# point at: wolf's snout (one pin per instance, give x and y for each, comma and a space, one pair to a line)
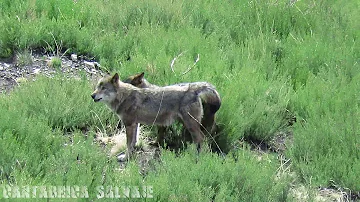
93, 96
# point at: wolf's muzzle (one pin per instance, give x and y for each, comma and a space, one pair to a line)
93, 96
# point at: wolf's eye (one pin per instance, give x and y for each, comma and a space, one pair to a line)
102, 88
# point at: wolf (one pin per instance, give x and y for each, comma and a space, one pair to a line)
210, 106
153, 106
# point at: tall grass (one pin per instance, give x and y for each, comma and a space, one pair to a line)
37, 151
243, 179
71, 106
326, 141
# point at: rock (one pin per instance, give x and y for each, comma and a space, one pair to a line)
36, 71
121, 157
88, 64
1, 68
97, 65
93, 71
92, 65
74, 57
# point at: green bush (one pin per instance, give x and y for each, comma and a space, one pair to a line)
179, 178
326, 142
257, 109
64, 103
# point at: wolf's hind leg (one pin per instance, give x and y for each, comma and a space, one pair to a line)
208, 119
193, 126
208, 123
161, 135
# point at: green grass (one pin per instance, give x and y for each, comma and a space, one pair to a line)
55, 62
230, 180
326, 141
268, 59
62, 103
24, 58
40, 146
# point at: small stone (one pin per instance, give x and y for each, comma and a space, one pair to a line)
89, 64
93, 71
92, 65
1, 68
121, 157
74, 57
36, 71
97, 64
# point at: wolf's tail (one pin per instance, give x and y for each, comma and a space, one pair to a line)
208, 95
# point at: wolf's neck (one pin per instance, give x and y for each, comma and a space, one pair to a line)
114, 105
147, 84
121, 94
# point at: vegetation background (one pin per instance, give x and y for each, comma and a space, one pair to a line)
270, 60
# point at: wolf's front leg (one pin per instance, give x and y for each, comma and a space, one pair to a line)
131, 131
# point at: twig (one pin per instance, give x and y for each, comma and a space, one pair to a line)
190, 67
157, 114
173, 61
283, 162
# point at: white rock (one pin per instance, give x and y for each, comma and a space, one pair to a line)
74, 57
89, 64
36, 71
97, 64
93, 71
92, 65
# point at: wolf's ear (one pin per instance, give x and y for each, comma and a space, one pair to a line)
115, 78
141, 76
138, 79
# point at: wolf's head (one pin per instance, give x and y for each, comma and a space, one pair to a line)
105, 90
139, 81
136, 80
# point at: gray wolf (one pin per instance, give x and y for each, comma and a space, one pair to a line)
153, 106
210, 106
